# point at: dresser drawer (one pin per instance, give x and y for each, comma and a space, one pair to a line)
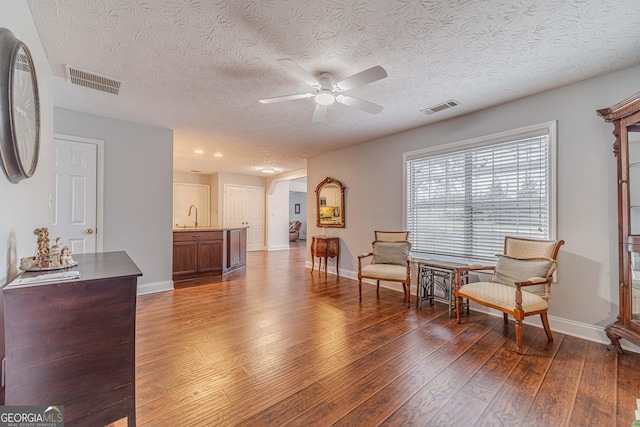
320, 247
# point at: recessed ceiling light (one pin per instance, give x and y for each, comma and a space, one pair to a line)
218, 154
199, 152
268, 170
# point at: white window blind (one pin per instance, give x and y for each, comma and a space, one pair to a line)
463, 203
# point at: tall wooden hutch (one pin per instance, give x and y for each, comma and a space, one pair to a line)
625, 117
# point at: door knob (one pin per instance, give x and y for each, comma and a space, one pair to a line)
89, 231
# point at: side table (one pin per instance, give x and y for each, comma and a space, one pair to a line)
325, 247
437, 280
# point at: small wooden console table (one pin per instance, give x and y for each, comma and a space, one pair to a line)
325, 247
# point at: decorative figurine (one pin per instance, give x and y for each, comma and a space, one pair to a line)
55, 259
65, 257
45, 257
42, 249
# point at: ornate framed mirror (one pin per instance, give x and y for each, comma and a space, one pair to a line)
330, 203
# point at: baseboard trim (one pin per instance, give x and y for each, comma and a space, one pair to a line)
558, 324
152, 288
567, 327
279, 248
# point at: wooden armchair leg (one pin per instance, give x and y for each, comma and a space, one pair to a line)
545, 323
360, 288
407, 297
377, 287
505, 316
458, 301
519, 336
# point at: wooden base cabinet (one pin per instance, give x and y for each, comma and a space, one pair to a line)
208, 252
73, 343
236, 249
197, 253
185, 258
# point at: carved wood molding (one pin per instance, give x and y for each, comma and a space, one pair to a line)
621, 109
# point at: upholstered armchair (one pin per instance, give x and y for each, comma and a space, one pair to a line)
390, 261
294, 230
520, 285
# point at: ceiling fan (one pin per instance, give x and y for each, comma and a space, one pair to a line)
327, 92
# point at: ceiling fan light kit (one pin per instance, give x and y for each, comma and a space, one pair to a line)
325, 97
327, 92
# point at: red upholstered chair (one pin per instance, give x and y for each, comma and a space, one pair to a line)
294, 230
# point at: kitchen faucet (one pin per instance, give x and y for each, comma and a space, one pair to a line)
196, 208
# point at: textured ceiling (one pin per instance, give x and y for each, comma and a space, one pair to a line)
200, 66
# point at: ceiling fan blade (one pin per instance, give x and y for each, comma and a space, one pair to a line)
285, 98
297, 71
319, 113
362, 78
360, 104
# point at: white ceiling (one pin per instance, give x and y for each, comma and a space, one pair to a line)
200, 66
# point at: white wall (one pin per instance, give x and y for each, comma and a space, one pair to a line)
25, 205
191, 178
278, 217
138, 190
296, 197
586, 292
215, 207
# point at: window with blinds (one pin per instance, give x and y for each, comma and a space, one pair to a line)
461, 201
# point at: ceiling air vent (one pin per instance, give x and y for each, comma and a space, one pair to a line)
437, 108
93, 80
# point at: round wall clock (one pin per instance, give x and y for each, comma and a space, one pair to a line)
19, 109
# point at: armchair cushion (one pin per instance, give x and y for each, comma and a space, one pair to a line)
501, 296
385, 272
510, 270
391, 252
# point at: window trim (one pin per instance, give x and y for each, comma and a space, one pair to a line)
550, 128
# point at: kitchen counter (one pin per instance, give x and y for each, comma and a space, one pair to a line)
206, 228
207, 251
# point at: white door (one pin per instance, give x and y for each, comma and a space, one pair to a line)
254, 217
244, 206
194, 199
74, 195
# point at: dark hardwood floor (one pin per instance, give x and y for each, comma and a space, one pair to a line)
276, 345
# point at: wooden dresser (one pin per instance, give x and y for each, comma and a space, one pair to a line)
325, 247
73, 343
